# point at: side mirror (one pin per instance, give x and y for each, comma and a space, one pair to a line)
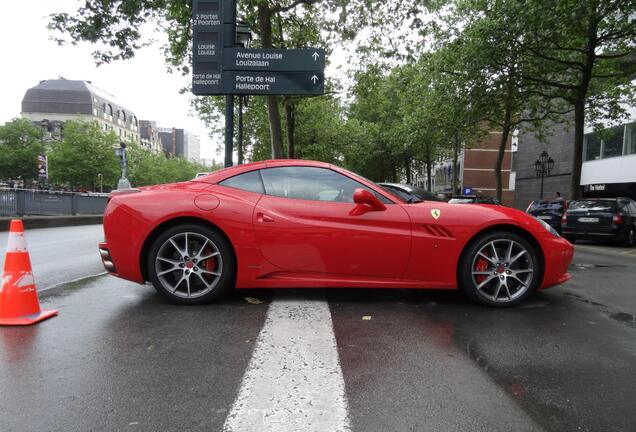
363, 196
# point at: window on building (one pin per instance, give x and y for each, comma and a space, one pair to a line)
592, 147
613, 142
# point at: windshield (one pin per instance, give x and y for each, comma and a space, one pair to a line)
392, 193
593, 205
543, 205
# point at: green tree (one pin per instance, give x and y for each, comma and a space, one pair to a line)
284, 23
84, 152
20, 146
587, 49
148, 168
482, 54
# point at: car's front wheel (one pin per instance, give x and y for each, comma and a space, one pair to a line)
499, 269
191, 264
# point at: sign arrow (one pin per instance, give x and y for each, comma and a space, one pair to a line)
315, 55
314, 79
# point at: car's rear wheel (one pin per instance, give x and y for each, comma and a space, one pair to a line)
499, 269
191, 264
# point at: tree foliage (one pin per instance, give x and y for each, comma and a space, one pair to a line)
84, 152
20, 146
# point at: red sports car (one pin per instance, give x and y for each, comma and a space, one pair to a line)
293, 223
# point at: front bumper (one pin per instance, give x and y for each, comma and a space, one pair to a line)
558, 254
608, 232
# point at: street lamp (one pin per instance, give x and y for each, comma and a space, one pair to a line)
542, 167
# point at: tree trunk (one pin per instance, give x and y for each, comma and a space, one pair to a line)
579, 125
290, 119
407, 168
579, 107
273, 113
454, 180
429, 180
501, 151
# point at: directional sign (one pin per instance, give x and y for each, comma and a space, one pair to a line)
274, 83
207, 45
219, 68
287, 60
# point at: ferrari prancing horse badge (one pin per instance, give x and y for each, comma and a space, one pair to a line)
435, 213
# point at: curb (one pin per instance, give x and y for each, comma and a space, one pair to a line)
60, 288
31, 222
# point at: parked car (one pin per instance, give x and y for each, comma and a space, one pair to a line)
410, 194
600, 219
473, 199
549, 211
295, 224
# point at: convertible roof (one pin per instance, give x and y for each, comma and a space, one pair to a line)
218, 176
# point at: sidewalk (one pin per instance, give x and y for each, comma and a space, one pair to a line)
31, 222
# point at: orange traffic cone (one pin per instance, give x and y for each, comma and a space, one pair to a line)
19, 303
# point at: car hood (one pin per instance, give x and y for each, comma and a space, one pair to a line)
473, 216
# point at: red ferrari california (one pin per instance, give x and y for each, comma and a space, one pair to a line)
293, 223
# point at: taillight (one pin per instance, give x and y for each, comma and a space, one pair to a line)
564, 218
618, 219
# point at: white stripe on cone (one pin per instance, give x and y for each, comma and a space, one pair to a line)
17, 242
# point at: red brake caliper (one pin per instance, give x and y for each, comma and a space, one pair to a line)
482, 265
210, 263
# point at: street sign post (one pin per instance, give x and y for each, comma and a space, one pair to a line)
221, 68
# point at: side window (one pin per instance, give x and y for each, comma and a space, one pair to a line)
249, 181
632, 208
310, 183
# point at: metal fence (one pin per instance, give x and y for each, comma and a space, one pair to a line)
20, 202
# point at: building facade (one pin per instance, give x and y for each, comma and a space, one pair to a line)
475, 170
149, 135
56, 101
609, 162
608, 169
179, 142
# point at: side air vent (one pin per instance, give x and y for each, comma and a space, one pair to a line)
436, 231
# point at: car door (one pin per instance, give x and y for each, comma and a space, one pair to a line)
306, 223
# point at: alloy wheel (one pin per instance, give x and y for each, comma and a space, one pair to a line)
502, 270
189, 265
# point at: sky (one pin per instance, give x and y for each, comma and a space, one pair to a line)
142, 84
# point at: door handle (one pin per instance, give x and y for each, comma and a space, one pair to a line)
261, 217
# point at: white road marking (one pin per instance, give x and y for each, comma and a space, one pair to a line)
294, 381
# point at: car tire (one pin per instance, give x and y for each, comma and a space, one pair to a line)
499, 269
629, 239
198, 274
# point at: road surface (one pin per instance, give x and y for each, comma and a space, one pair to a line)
61, 254
118, 357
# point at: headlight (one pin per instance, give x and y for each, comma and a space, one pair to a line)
548, 227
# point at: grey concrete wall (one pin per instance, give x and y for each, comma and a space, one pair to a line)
559, 144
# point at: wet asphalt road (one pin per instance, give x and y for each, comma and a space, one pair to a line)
120, 358
61, 254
